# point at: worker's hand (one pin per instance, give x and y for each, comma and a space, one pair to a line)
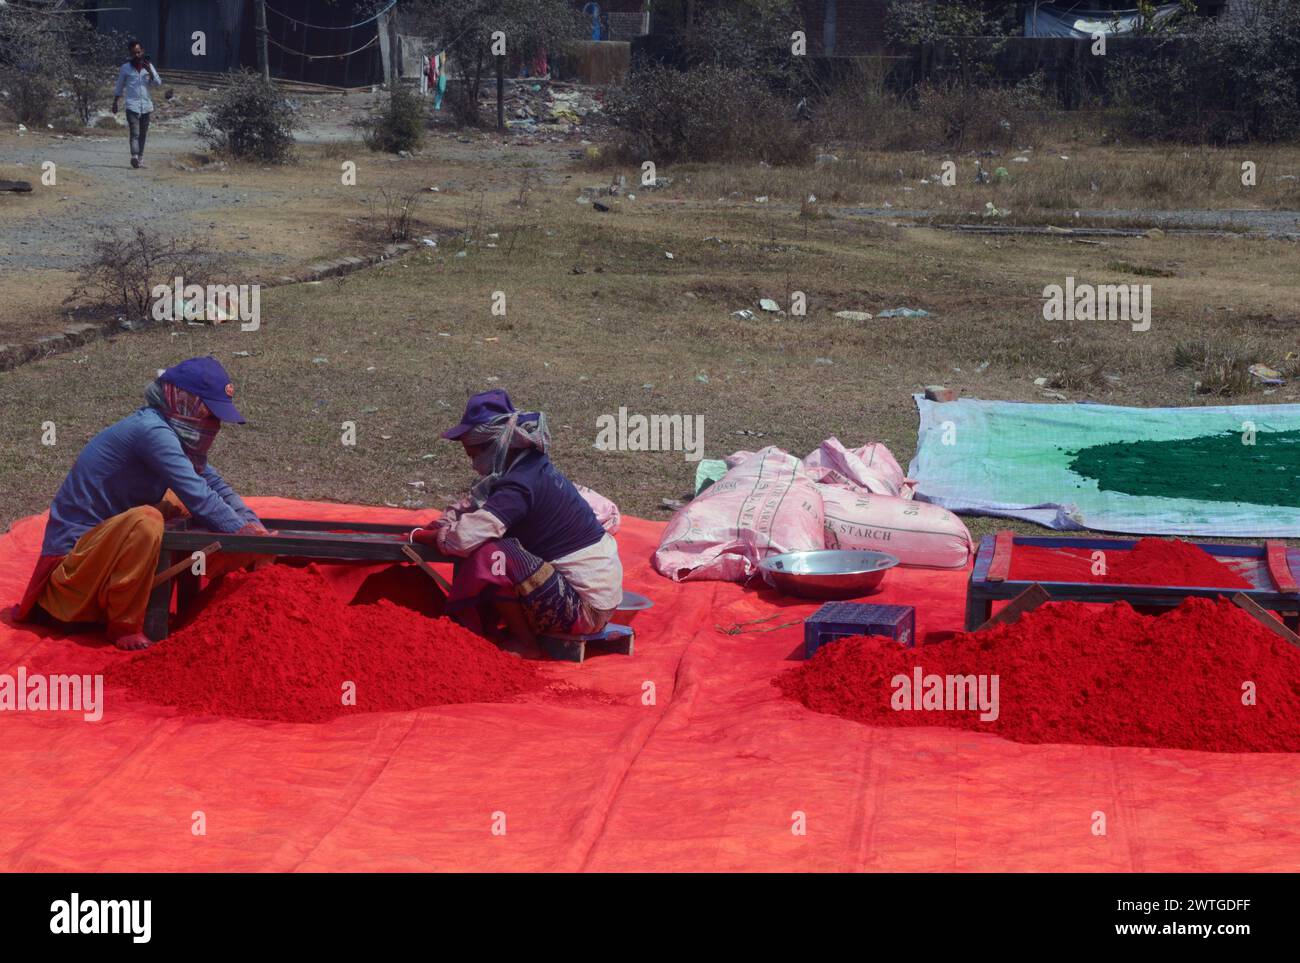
424, 536
115, 105
453, 513
253, 528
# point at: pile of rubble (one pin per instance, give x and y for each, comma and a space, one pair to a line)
544, 108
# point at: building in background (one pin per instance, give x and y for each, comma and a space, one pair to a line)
336, 43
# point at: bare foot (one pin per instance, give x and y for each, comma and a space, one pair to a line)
133, 642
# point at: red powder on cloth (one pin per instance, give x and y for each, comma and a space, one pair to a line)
279, 643
1152, 561
1081, 673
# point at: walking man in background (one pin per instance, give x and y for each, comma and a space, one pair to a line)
134, 79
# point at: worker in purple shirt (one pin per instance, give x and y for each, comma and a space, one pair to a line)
525, 528
104, 534
134, 79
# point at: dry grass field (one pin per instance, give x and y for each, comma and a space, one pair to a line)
598, 316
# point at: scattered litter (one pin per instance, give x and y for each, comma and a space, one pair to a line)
603, 208
767, 304
668, 254
702, 378
428, 242
854, 315
745, 314
320, 360
761, 200
824, 361
1266, 375
905, 313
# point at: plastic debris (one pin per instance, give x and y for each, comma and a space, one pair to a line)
1266, 375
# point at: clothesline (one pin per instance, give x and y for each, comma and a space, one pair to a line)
318, 27
369, 43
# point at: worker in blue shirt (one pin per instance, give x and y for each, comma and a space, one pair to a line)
134, 79
104, 534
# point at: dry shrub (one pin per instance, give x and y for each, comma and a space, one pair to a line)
1192, 354
392, 215
861, 108
708, 113
124, 269
1225, 377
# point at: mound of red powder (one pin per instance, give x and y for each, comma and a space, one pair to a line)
279, 643
1091, 674
1152, 561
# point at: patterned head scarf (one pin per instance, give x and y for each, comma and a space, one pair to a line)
188, 416
506, 436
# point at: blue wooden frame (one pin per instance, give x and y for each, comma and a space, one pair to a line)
981, 593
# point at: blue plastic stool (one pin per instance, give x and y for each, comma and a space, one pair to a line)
613, 638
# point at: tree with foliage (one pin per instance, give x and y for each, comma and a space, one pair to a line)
465, 29
251, 120
753, 36
1226, 79
972, 32
45, 53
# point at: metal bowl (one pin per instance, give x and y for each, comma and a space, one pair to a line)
632, 603
828, 574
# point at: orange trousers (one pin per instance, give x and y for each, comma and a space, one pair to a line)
108, 575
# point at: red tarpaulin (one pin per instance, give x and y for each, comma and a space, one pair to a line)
711, 777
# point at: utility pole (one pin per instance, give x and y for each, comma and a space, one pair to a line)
263, 62
501, 93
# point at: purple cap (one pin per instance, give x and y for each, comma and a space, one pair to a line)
206, 379
479, 410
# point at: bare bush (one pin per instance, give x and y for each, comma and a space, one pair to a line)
705, 114
124, 270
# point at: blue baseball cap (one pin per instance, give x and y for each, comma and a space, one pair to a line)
479, 410
206, 379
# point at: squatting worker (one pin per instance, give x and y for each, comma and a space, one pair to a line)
525, 526
134, 78
104, 533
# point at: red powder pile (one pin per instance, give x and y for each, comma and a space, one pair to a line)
1090, 674
1152, 561
279, 643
